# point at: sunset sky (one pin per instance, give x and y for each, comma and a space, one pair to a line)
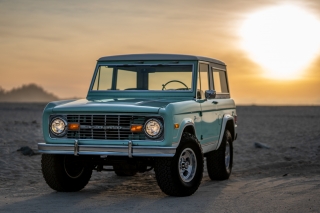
55, 44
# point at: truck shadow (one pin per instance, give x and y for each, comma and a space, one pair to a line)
131, 194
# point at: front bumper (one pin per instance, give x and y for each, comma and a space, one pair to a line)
128, 150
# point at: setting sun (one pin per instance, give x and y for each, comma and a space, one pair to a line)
283, 40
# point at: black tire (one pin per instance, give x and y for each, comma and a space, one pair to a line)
217, 163
169, 179
125, 169
65, 173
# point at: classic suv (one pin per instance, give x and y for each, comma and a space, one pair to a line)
144, 111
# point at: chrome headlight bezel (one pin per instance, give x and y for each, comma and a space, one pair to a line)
65, 128
148, 133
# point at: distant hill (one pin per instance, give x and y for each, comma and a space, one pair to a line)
27, 93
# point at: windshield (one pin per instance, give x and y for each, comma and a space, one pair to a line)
143, 77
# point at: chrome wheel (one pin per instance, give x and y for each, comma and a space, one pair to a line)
187, 165
227, 156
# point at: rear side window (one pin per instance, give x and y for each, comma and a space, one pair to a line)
220, 84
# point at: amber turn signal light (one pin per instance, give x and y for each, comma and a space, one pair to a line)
136, 128
176, 126
73, 126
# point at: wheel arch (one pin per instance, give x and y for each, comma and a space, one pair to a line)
190, 129
228, 123
187, 125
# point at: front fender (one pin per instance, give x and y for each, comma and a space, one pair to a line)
184, 123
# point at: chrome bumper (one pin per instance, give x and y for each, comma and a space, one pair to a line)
129, 150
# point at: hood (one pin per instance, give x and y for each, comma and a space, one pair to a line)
113, 105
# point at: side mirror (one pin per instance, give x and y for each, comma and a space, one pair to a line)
209, 94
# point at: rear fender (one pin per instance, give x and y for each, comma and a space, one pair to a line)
227, 118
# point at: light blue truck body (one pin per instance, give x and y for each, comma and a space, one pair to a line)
206, 118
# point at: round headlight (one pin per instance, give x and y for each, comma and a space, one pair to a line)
58, 126
153, 128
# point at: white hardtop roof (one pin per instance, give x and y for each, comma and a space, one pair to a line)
158, 57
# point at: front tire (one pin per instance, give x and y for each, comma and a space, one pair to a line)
181, 175
219, 162
65, 173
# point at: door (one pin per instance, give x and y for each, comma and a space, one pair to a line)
209, 116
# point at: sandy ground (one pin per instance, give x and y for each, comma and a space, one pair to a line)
285, 178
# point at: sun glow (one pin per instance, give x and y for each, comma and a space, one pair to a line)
282, 39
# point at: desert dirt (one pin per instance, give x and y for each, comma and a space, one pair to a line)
284, 178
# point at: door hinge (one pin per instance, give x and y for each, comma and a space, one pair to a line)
200, 113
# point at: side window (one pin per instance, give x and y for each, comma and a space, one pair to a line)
203, 80
220, 84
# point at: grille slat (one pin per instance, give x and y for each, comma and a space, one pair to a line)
105, 127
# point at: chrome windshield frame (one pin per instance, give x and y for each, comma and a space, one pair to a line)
94, 94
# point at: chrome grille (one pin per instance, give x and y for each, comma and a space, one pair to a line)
105, 127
